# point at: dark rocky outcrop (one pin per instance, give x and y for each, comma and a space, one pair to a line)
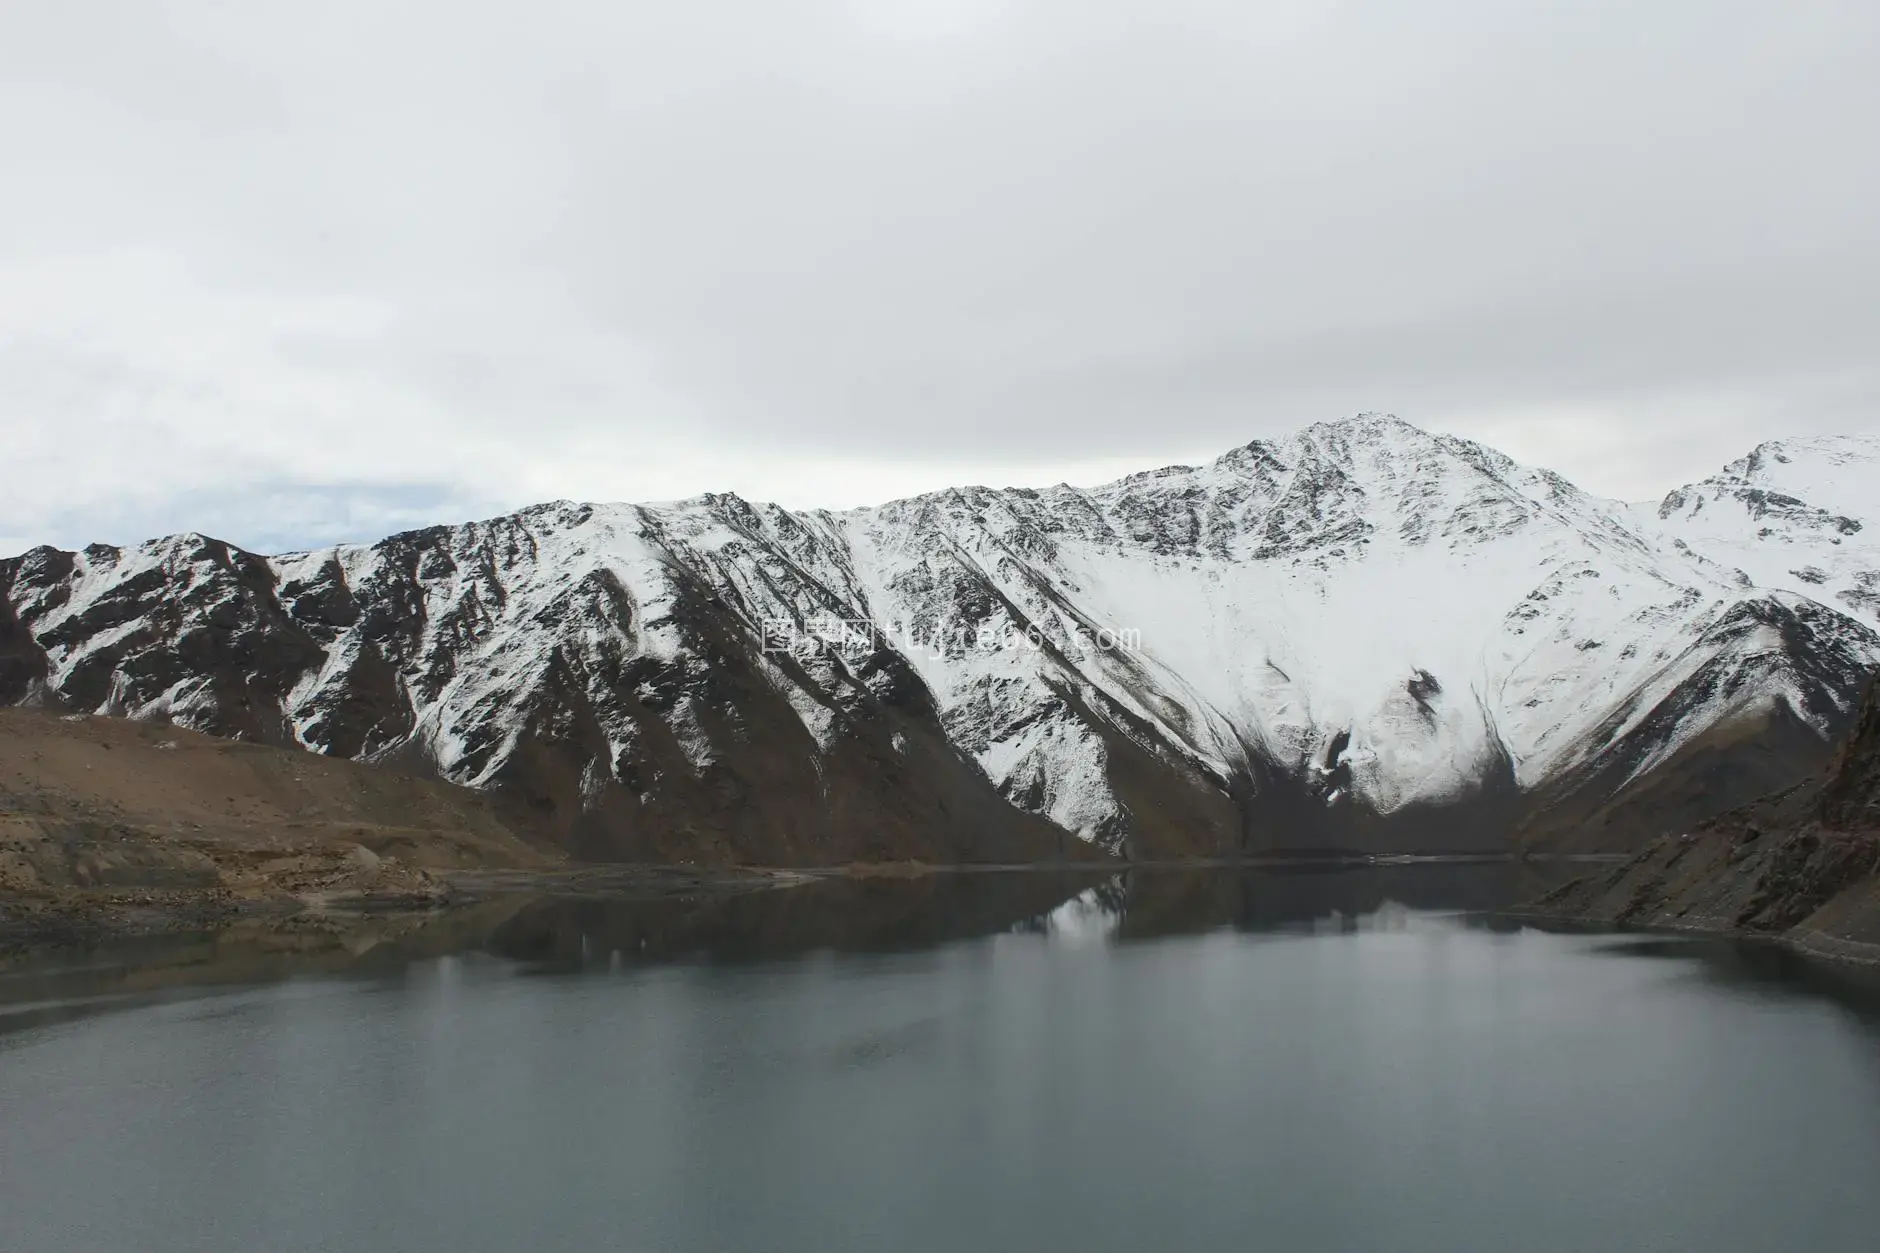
1801, 864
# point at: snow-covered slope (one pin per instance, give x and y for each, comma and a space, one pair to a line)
1797, 514
1362, 635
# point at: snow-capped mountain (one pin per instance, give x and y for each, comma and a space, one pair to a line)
1789, 515
1360, 636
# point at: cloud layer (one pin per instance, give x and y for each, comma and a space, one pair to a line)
297, 273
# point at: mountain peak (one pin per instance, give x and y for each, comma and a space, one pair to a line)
1361, 427
1369, 420
1788, 514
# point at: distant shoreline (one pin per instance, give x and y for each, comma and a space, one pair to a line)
85, 917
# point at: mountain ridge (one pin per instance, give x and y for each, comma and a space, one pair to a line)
1361, 636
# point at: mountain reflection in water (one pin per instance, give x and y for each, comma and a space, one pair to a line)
838, 914
1304, 1059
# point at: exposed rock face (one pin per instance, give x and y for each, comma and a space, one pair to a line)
1362, 636
1850, 799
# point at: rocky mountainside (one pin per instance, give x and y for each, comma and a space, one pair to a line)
1362, 636
1801, 864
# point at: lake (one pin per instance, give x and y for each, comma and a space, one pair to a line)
1293, 1060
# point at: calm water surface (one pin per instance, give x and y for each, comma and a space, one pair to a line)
1284, 1061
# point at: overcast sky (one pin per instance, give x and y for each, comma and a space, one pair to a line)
294, 272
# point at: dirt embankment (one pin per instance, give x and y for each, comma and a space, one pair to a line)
107, 823
1802, 865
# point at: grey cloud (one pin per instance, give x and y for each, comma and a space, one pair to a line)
1029, 233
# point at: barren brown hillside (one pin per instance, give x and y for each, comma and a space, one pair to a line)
97, 809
